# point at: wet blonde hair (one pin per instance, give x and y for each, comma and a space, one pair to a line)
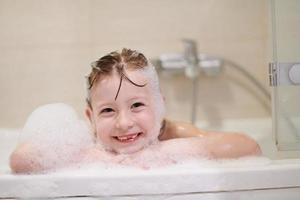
127, 59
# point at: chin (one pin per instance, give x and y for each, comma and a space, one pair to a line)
130, 149
127, 150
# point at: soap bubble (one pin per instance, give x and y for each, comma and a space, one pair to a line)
56, 134
48, 119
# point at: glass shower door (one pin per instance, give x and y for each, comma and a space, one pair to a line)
285, 73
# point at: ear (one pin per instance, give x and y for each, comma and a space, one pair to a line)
163, 98
89, 116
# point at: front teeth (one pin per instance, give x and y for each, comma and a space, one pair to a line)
127, 138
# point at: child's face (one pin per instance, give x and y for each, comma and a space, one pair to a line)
129, 123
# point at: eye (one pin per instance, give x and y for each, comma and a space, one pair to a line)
106, 111
137, 106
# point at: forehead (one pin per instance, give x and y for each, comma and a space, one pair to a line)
106, 88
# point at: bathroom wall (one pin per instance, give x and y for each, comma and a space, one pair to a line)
46, 48
287, 19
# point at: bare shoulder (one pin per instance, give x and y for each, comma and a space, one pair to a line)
176, 129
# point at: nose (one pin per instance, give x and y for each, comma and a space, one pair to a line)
124, 121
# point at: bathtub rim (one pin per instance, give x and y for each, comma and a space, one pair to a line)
277, 175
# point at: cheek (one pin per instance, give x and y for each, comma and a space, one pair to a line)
146, 119
103, 129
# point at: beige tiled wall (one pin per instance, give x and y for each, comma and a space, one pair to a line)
46, 48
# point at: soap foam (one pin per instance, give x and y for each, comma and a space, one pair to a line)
56, 133
192, 165
48, 119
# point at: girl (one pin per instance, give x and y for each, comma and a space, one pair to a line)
125, 110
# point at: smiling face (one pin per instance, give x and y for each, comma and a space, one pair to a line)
129, 122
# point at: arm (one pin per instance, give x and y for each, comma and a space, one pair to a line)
218, 146
26, 159
232, 145
215, 144
179, 150
30, 157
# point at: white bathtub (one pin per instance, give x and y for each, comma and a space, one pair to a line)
249, 178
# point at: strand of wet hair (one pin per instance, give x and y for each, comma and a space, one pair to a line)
122, 74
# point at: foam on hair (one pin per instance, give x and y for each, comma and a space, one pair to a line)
151, 74
159, 105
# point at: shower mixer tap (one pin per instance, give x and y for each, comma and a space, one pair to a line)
190, 61
191, 58
192, 71
191, 64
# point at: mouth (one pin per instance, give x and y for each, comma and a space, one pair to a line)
127, 138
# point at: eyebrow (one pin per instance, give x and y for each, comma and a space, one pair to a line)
99, 106
110, 103
142, 97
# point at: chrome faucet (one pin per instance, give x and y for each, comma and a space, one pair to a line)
191, 63
191, 58
192, 71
